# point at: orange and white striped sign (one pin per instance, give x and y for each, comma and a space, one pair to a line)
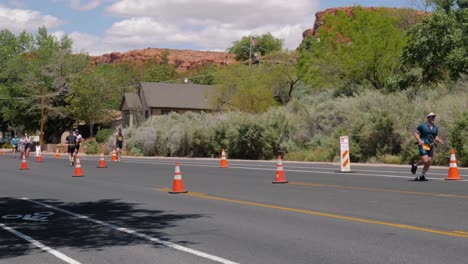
345, 165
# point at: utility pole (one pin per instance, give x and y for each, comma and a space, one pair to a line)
41, 133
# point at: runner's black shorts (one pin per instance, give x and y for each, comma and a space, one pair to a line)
119, 145
71, 149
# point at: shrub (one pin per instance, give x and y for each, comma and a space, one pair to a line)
104, 134
457, 138
318, 154
389, 159
380, 127
92, 147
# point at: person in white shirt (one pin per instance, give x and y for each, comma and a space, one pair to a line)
79, 139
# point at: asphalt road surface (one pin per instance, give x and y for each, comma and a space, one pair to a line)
124, 213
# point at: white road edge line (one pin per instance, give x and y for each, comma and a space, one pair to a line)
40, 245
135, 233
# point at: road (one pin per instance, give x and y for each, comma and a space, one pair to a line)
124, 213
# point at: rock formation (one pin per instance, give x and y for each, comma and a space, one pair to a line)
183, 59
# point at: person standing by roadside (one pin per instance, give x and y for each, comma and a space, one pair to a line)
426, 135
14, 143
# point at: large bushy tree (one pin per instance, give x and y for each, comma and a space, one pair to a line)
159, 69
244, 88
363, 48
439, 44
30, 64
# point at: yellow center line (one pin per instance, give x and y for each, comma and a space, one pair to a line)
378, 190
461, 232
336, 216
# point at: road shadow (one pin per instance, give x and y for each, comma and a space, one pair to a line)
63, 230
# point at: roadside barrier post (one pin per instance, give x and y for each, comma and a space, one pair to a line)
345, 165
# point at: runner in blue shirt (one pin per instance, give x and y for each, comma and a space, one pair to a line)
14, 143
426, 135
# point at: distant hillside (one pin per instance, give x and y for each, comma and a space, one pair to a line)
184, 59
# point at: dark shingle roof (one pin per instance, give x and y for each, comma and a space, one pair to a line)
132, 100
172, 95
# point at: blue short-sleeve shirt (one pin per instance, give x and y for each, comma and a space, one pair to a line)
427, 134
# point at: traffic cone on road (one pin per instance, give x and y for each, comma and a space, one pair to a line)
177, 184
57, 154
280, 178
24, 164
453, 173
3, 151
114, 155
223, 163
78, 171
102, 162
39, 157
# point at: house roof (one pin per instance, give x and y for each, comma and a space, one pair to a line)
174, 95
132, 101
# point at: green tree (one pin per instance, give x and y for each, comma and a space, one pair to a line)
247, 89
439, 44
53, 66
263, 44
159, 70
92, 97
14, 70
202, 74
352, 51
282, 65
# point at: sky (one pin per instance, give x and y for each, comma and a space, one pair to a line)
103, 26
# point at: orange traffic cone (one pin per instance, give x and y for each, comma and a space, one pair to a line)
24, 164
3, 151
78, 171
453, 168
39, 157
280, 178
223, 163
114, 156
57, 155
102, 162
177, 184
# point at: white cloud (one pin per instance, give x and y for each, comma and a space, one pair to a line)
17, 20
207, 24
92, 44
194, 24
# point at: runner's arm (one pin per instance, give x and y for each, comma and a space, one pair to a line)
418, 138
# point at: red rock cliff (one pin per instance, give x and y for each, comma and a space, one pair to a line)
184, 59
